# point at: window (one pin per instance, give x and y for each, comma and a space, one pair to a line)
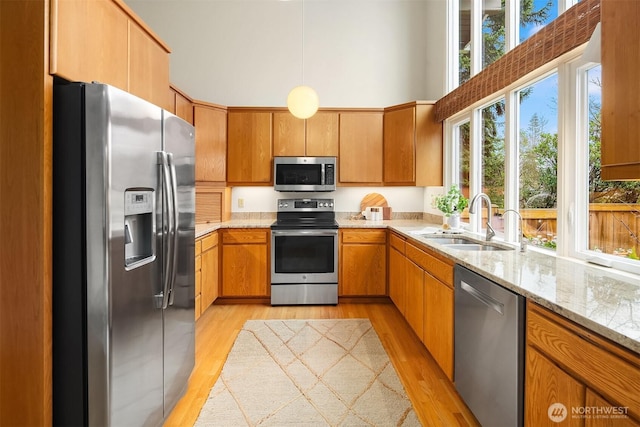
538, 160
464, 41
493, 152
463, 151
535, 147
535, 14
613, 207
493, 31
498, 26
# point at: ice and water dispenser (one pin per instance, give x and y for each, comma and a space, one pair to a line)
139, 227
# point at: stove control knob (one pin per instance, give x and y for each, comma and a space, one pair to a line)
330, 205
286, 205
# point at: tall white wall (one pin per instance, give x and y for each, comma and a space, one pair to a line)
357, 53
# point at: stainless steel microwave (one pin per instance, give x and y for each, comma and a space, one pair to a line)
304, 173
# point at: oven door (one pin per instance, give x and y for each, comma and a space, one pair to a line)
304, 256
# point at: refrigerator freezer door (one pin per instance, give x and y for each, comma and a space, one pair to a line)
123, 135
179, 326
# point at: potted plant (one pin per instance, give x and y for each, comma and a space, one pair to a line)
451, 204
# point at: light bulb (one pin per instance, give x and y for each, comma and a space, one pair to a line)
302, 102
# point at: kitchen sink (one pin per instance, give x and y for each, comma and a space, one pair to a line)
471, 246
449, 240
461, 243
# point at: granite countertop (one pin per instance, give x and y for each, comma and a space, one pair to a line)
597, 298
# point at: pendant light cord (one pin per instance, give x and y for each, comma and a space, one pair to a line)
302, 42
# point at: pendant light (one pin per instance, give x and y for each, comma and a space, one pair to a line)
302, 101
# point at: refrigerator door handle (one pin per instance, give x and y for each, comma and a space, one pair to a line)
167, 241
174, 231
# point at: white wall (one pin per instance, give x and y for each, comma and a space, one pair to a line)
357, 53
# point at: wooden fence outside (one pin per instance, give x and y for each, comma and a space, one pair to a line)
611, 226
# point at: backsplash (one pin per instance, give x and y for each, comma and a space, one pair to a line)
408, 200
339, 215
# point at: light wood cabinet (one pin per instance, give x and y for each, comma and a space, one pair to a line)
210, 122
103, 40
210, 271
245, 263
438, 322
322, 134
198, 278
89, 41
183, 106
593, 400
397, 271
316, 136
424, 295
213, 202
148, 68
547, 384
412, 147
363, 263
571, 365
288, 135
360, 160
620, 87
249, 155
414, 308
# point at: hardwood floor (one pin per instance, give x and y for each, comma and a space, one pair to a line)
434, 398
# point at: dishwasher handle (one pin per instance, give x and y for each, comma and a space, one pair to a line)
483, 298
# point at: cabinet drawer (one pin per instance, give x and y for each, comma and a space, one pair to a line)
244, 236
198, 247
602, 366
397, 242
364, 236
198, 263
432, 265
209, 241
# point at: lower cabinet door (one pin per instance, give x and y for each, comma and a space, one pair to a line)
438, 323
550, 393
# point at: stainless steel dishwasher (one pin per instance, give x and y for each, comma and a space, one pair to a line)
489, 349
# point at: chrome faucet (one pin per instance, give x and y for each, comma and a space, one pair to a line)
521, 241
472, 210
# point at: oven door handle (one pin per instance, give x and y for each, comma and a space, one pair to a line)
304, 232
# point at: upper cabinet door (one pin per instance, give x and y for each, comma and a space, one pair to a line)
89, 41
429, 146
322, 134
211, 143
620, 88
183, 108
148, 68
288, 134
316, 136
105, 41
361, 148
249, 156
400, 146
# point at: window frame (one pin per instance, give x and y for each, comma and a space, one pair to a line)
573, 116
512, 126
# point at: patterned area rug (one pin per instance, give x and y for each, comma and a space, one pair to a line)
308, 373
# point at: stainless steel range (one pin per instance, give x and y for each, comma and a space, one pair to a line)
304, 253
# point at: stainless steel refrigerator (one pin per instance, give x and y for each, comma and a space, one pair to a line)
123, 257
